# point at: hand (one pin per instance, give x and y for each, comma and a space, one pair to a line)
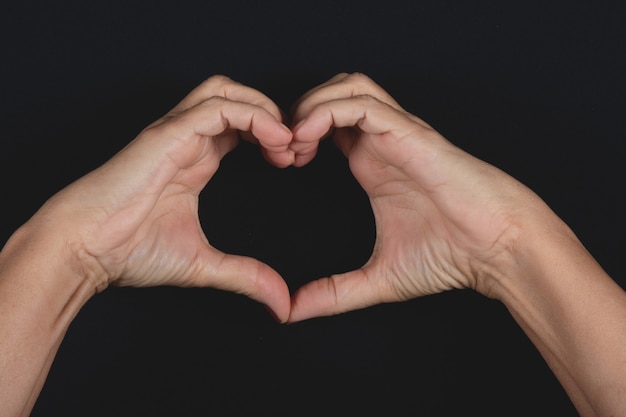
444, 219
134, 221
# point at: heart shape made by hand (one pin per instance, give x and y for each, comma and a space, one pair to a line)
443, 219
306, 222
422, 243
440, 215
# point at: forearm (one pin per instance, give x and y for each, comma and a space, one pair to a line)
39, 297
573, 312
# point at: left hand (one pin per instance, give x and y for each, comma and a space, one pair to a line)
444, 219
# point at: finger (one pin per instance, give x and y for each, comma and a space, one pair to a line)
396, 139
339, 87
334, 295
366, 113
280, 159
362, 112
222, 86
313, 90
247, 276
305, 150
217, 115
248, 136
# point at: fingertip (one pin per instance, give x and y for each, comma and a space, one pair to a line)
274, 293
284, 135
280, 319
271, 313
306, 139
301, 160
269, 129
298, 126
299, 313
282, 159
252, 278
279, 305
306, 303
305, 132
285, 129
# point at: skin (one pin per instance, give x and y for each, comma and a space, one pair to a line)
132, 222
444, 220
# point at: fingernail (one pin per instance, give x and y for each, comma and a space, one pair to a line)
285, 128
298, 125
274, 316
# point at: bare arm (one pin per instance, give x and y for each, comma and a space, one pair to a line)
574, 313
445, 220
41, 291
133, 221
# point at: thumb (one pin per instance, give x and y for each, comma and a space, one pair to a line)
336, 294
247, 276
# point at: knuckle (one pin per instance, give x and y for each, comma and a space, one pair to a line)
211, 105
340, 76
215, 85
333, 290
359, 78
367, 99
213, 101
218, 80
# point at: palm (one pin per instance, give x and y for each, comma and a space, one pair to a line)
442, 216
409, 255
152, 238
424, 244
432, 231
169, 247
134, 220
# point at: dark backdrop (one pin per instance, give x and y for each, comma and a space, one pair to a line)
535, 88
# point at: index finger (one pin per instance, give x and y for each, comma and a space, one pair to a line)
223, 86
343, 86
219, 119
340, 86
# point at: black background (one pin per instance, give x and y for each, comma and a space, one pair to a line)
535, 88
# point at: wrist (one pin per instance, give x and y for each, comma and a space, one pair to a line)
43, 260
534, 243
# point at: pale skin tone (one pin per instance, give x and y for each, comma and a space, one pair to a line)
444, 220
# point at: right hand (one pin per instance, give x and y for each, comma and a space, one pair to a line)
134, 220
